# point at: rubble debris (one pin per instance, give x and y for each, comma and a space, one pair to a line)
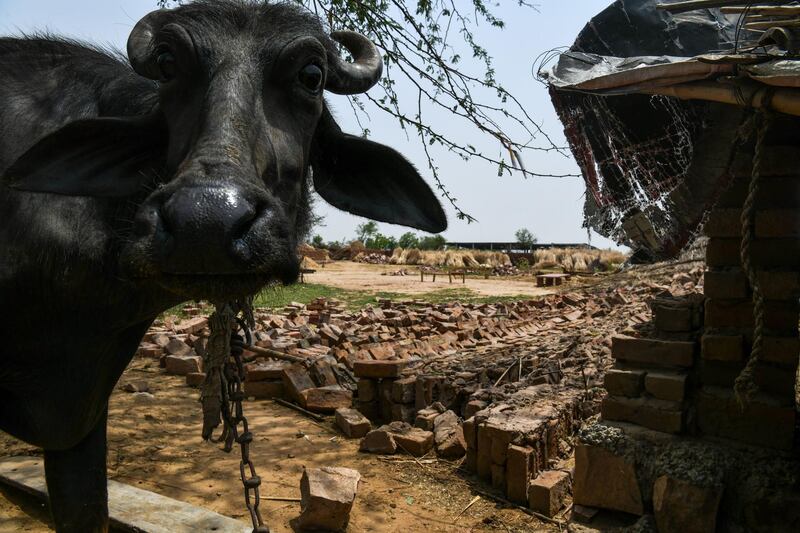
327, 495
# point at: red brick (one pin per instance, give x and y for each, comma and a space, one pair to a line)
777, 223
778, 316
180, 365
620, 382
296, 380
729, 283
779, 285
326, 399
379, 369
781, 350
764, 423
484, 453
653, 351
605, 480
379, 441
682, 506
776, 381
403, 412
666, 386
415, 441
766, 253
367, 390
191, 325
352, 423
470, 433
195, 379
147, 349
265, 371
403, 390
653, 414
726, 222
722, 347
498, 476
548, 491
518, 473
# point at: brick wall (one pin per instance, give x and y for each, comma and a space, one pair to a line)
726, 344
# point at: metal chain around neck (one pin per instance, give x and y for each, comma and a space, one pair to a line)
222, 394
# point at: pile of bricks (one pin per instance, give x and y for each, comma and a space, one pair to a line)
511, 444
648, 384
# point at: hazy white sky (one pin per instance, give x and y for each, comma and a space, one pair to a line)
551, 208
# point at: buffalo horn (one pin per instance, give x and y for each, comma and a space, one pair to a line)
141, 45
360, 75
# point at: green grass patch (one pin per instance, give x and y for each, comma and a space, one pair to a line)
278, 297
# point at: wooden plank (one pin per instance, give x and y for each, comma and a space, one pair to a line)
130, 509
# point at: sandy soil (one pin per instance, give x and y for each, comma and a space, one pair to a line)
154, 443
361, 276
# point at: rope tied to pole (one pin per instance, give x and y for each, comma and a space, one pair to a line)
745, 386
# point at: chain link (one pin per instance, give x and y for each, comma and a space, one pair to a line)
235, 425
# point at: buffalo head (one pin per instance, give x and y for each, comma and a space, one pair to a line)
235, 128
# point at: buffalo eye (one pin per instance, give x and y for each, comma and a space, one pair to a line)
166, 65
310, 77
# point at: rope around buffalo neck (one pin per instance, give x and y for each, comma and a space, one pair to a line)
221, 394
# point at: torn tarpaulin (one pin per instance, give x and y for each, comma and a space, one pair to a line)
651, 164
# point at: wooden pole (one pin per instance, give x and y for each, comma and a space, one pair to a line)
756, 95
692, 5
275, 354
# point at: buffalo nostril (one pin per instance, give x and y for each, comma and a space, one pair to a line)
241, 250
146, 222
240, 227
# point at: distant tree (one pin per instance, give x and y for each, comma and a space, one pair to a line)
318, 241
432, 242
525, 239
408, 240
381, 242
366, 231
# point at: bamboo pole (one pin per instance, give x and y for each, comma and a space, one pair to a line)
783, 100
763, 10
692, 5
767, 24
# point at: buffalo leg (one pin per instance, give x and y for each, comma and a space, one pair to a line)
76, 483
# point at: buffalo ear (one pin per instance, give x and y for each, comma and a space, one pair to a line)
102, 157
371, 180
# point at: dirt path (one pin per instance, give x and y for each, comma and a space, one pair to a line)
154, 444
362, 276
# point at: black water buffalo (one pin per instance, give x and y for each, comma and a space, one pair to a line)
126, 191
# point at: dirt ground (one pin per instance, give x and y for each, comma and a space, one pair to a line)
362, 276
154, 444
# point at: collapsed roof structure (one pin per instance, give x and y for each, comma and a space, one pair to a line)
654, 98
